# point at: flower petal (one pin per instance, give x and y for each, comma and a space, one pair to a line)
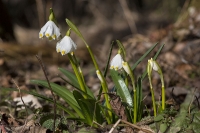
153, 64
66, 45
50, 30
116, 62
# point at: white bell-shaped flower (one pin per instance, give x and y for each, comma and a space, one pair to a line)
153, 64
50, 30
66, 45
116, 62
99, 75
126, 67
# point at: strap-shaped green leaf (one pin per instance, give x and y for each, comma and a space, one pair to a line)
74, 28
122, 89
141, 58
139, 99
63, 93
74, 81
71, 77
121, 46
107, 67
85, 107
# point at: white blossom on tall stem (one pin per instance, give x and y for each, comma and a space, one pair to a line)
66, 45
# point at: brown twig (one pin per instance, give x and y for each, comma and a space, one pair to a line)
130, 124
23, 104
54, 99
114, 126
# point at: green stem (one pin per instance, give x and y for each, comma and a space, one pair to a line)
103, 83
105, 90
153, 98
80, 72
163, 91
135, 97
92, 56
81, 83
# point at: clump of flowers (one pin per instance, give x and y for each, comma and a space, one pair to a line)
88, 109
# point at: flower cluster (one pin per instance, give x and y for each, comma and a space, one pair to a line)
52, 32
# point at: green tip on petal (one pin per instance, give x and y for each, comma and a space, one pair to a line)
52, 16
68, 32
119, 51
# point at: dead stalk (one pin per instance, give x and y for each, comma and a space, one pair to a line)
23, 104
54, 99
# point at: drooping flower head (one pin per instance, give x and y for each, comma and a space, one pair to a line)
116, 62
66, 44
50, 29
153, 64
126, 67
99, 75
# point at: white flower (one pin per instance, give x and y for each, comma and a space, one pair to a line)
65, 45
116, 62
50, 30
99, 75
153, 64
126, 67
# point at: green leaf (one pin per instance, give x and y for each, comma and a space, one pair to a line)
47, 120
106, 68
180, 119
141, 58
122, 89
63, 93
74, 81
195, 121
158, 118
71, 77
121, 46
139, 99
74, 28
91, 109
163, 127
85, 107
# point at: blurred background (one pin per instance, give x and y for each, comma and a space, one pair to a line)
21, 20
